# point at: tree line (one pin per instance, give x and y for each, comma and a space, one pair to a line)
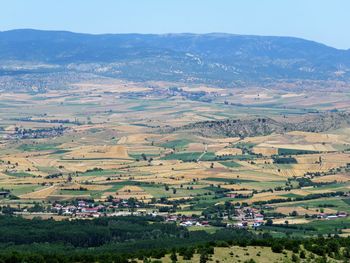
123, 239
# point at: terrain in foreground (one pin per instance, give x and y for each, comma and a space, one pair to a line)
201, 157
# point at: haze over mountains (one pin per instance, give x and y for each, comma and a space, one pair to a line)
221, 59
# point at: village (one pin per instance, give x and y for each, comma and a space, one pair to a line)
244, 217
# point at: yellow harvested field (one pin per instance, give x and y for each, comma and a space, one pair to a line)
84, 128
221, 140
130, 191
127, 128
146, 149
304, 191
195, 147
307, 147
228, 151
40, 194
111, 86
99, 152
19, 162
132, 188
291, 221
42, 161
328, 160
266, 151
214, 147
89, 187
246, 176
312, 137
258, 95
118, 151
202, 88
289, 209
236, 187
264, 197
134, 139
301, 210
332, 178
262, 139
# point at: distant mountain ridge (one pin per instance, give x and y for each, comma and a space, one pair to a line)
208, 58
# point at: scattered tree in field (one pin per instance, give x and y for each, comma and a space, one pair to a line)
203, 257
173, 256
277, 247
295, 258
144, 157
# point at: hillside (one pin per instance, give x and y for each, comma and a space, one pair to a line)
221, 59
265, 126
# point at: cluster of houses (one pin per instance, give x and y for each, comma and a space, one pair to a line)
332, 216
20, 133
4, 194
187, 221
85, 209
249, 217
245, 217
82, 209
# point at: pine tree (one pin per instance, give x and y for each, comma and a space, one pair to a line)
173, 256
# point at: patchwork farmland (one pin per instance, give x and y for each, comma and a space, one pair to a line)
122, 148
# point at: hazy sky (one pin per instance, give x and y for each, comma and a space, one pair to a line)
326, 21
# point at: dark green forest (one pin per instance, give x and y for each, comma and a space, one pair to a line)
123, 239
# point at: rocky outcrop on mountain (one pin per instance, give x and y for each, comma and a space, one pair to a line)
264, 126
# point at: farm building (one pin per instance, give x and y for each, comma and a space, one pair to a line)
4, 194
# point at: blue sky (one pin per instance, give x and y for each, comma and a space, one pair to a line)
326, 21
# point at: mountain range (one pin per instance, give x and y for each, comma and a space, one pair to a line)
222, 59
